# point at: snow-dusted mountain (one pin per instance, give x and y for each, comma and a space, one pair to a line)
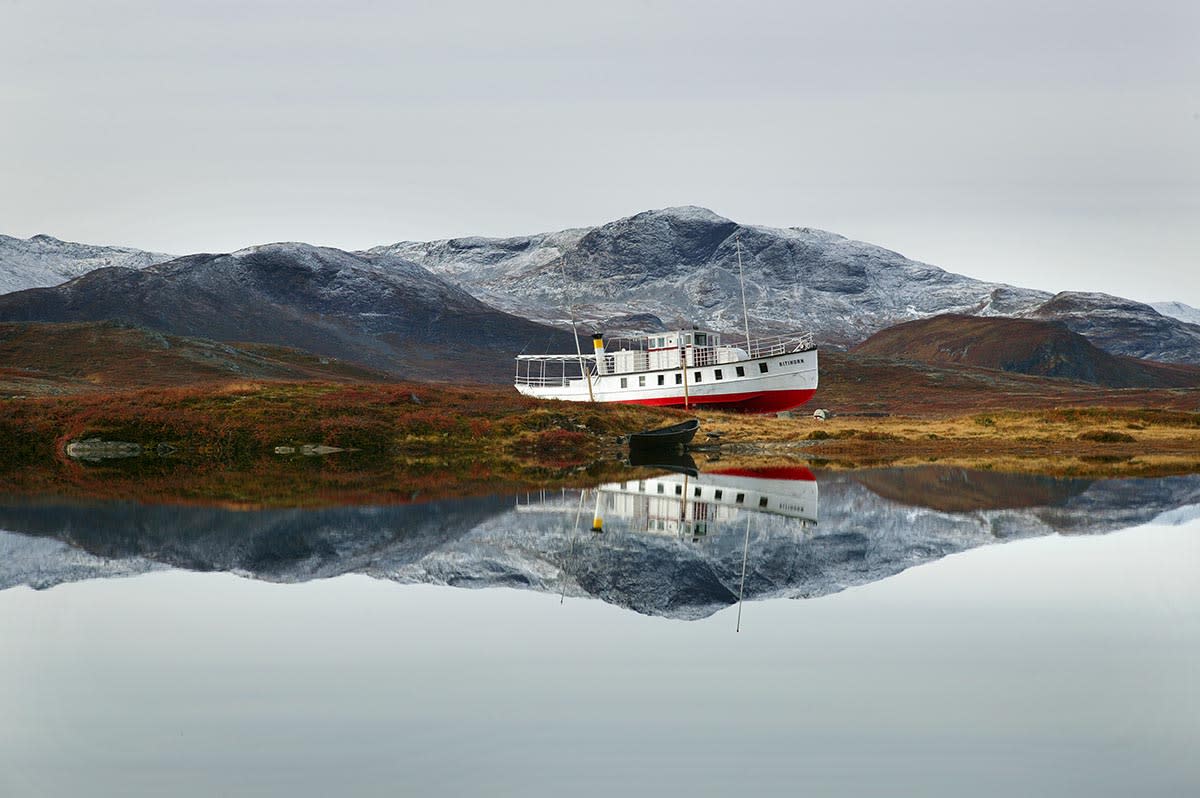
653, 270
43, 261
680, 266
1178, 310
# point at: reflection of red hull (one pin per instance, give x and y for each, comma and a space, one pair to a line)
753, 402
778, 472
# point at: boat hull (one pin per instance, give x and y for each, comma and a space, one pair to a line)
751, 402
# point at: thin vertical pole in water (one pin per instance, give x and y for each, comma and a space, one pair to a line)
571, 549
587, 375
742, 279
742, 589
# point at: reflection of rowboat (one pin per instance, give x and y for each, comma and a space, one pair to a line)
667, 437
670, 460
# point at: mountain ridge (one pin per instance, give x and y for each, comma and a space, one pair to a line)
382, 312
675, 267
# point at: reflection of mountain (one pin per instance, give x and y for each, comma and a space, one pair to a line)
952, 490
277, 545
861, 537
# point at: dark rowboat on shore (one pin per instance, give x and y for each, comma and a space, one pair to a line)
666, 437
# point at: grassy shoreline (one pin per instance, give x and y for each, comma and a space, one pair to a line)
418, 441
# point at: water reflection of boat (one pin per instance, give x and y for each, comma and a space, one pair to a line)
693, 505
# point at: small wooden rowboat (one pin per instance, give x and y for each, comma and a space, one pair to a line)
666, 437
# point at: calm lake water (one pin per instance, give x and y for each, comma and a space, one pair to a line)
916, 632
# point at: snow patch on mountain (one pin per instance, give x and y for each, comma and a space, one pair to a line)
1178, 310
43, 261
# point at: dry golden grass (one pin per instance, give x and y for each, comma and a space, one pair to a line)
1093, 441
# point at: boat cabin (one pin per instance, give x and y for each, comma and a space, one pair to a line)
663, 351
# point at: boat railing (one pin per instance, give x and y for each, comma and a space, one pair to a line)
552, 371
540, 381
771, 345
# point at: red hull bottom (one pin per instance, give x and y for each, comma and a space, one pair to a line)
754, 402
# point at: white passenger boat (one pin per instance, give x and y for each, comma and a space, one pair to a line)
684, 368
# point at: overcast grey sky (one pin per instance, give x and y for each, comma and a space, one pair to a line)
1052, 145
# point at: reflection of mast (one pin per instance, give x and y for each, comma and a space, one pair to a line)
683, 504
742, 589
571, 548
597, 519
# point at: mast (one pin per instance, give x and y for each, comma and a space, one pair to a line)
742, 279
587, 375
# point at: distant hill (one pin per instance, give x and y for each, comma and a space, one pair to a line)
1024, 346
383, 312
44, 358
43, 261
1122, 326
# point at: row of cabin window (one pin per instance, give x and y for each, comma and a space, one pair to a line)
718, 494
717, 374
